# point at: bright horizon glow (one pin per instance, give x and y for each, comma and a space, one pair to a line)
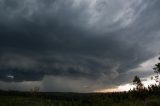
127, 87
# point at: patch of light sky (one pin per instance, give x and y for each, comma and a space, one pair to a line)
145, 66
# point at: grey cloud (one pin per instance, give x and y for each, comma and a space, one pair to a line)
22, 86
95, 40
55, 84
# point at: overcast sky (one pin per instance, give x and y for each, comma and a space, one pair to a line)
77, 45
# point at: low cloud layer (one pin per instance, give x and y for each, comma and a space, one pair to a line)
99, 41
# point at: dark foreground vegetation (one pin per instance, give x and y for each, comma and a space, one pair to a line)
143, 97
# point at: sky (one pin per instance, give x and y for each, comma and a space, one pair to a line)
77, 45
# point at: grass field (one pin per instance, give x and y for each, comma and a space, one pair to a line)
145, 98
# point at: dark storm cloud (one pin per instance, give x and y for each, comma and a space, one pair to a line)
96, 40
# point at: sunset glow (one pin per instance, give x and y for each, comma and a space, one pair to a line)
127, 87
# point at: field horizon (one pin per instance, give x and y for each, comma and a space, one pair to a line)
145, 97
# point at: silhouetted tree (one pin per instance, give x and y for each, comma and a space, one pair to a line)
157, 71
35, 91
138, 83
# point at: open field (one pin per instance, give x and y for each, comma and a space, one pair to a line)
14, 98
